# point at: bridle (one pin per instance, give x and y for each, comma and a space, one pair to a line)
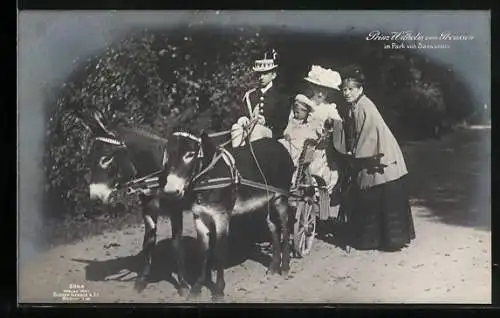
199, 171
144, 184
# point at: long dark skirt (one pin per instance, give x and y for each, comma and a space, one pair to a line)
381, 218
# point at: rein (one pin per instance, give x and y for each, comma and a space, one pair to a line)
150, 182
143, 184
218, 183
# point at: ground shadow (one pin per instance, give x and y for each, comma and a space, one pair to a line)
246, 233
163, 266
451, 179
334, 233
249, 239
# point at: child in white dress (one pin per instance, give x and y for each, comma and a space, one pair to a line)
299, 126
299, 129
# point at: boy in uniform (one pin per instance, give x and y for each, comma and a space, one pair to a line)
266, 109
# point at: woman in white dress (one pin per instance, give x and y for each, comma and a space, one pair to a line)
324, 84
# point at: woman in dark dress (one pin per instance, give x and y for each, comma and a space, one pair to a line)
380, 211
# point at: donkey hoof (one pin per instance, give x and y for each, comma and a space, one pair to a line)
140, 284
285, 273
194, 293
218, 297
183, 291
272, 270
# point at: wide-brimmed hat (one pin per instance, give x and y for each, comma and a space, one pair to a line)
304, 100
324, 77
268, 63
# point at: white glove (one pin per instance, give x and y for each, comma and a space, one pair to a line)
261, 120
243, 121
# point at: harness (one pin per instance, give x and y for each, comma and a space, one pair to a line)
150, 183
216, 183
145, 184
235, 176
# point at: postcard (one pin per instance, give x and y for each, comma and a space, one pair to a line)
254, 157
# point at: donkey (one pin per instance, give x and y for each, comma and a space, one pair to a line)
118, 158
194, 162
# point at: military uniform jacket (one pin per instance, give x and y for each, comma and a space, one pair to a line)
272, 104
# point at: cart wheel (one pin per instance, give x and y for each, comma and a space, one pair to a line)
304, 228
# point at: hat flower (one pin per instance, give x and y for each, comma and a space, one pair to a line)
324, 77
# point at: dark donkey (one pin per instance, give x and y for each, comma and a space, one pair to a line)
132, 160
205, 178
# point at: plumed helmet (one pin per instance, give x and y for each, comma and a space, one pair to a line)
268, 63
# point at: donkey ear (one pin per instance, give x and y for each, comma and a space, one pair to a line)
101, 126
99, 118
207, 147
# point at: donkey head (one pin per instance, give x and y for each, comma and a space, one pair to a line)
109, 164
187, 155
109, 160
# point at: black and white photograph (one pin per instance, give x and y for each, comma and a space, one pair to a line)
279, 156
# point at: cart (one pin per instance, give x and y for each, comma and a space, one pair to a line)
312, 200
309, 196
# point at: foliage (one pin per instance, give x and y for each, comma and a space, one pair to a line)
153, 80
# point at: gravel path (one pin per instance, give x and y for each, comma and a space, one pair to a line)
449, 262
